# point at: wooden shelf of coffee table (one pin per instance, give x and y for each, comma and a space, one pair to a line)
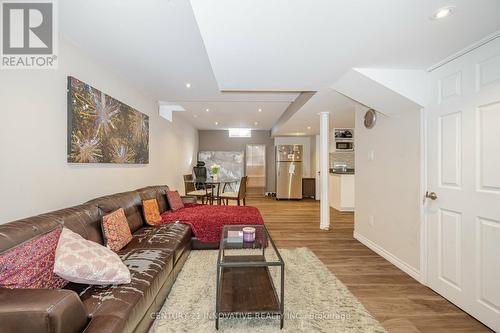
247, 289
244, 284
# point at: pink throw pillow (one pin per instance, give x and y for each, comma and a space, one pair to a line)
174, 200
31, 264
82, 261
116, 230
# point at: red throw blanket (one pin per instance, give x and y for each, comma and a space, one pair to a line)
207, 221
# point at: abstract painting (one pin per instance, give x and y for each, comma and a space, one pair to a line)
104, 130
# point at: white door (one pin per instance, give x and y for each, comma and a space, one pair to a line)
255, 169
463, 144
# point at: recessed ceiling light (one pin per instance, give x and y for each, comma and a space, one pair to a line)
442, 12
207, 110
256, 123
260, 110
188, 85
195, 115
308, 127
216, 123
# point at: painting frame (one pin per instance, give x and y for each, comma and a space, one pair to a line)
102, 129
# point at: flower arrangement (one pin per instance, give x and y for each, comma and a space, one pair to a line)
214, 169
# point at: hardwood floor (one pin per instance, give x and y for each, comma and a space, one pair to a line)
395, 299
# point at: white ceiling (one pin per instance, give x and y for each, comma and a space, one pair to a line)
304, 45
237, 113
156, 44
274, 46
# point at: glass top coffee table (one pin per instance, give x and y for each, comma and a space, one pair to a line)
246, 275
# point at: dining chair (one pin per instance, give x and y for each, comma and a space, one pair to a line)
191, 190
238, 196
200, 172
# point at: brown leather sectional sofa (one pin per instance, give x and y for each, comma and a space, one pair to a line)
155, 256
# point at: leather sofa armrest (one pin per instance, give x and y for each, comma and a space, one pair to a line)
188, 199
105, 324
41, 310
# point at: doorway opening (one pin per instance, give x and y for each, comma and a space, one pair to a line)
255, 165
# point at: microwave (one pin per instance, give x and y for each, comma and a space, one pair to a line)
344, 146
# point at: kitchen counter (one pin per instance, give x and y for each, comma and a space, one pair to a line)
342, 172
341, 190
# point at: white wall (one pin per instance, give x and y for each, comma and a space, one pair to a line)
387, 188
34, 174
411, 83
299, 140
313, 152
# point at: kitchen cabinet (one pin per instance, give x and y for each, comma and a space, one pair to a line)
341, 192
309, 188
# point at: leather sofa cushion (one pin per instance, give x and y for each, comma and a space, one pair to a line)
130, 202
155, 192
162, 193
85, 220
189, 199
173, 237
82, 219
14, 233
105, 324
181, 234
41, 311
149, 269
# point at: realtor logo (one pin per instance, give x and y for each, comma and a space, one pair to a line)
28, 34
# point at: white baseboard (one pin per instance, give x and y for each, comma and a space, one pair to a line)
410, 270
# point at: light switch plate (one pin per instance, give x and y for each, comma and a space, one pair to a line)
371, 155
371, 220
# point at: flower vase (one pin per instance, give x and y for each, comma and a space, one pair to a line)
216, 177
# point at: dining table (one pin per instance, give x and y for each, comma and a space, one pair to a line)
213, 185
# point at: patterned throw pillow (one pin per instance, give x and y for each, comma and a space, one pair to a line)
82, 261
115, 230
151, 212
31, 264
174, 200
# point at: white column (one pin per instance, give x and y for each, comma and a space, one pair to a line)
316, 176
324, 124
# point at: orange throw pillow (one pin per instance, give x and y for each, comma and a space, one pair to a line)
115, 230
151, 212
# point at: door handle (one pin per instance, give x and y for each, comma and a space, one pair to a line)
431, 195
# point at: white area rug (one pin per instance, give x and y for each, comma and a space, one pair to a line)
315, 300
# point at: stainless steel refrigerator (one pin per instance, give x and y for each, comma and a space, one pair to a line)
289, 171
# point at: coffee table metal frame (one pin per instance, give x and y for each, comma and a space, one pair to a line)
247, 262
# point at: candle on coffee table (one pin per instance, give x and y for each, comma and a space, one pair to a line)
248, 234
